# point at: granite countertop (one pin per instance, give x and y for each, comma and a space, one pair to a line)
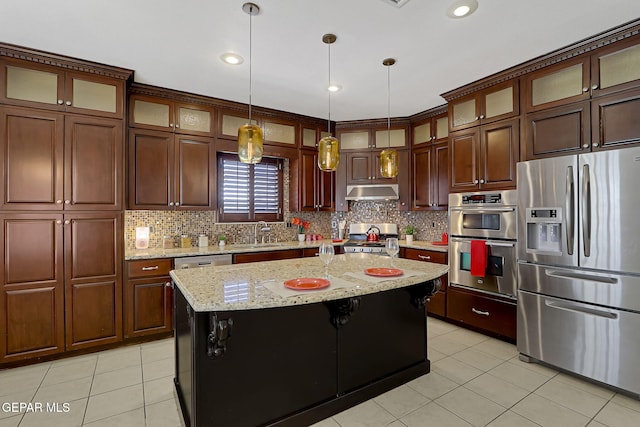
150, 253
246, 286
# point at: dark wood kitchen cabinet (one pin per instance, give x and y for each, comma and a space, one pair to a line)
487, 313
148, 297
498, 102
267, 256
310, 188
437, 303
35, 85
430, 177
155, 113
171, 171
484, 157
61, 283
276, 131
79, 159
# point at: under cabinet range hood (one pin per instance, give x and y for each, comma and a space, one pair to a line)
372, 192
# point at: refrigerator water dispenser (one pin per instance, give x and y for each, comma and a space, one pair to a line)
544, 231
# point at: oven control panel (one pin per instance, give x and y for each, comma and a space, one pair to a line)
493, 198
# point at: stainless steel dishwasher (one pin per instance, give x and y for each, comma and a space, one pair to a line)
202, 261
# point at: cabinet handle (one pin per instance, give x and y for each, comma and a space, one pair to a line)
59, 202
482, 181
585, 89
155, 267
68, 103
480, 312
585, 145
60, 102
425, 257
170, 203
594, 87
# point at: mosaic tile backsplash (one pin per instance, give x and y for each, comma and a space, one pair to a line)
429, 225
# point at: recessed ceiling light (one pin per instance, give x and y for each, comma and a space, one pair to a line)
462, 8
334, 88
231, 58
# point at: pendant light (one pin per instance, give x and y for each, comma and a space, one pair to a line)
249, 135
389, 156
329, 147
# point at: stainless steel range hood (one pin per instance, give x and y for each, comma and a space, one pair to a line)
372, 192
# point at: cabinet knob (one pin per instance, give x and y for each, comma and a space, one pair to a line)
596, 145
67, 222
482, 181
168, 285
177, 203
585, 145
59, 202
433, 138
68, 103
170, 125
477, 118
60, 102
177, 126
170, 203
594, 87
475, 181
58, 222
585, 89
481, 116
67, 202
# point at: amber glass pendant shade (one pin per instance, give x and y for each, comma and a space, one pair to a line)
328, 154
250, 143
389, 163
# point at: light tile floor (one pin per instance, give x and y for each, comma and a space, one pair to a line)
475, 381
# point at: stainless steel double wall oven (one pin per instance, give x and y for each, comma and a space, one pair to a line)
490, 217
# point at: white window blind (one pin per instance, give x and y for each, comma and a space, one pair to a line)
248, 192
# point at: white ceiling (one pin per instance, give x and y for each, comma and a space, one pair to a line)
177, 44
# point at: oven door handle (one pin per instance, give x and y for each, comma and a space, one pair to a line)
482, 210
501, 244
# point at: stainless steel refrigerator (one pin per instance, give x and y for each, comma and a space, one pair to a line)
579, 265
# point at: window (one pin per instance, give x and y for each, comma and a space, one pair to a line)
248, 192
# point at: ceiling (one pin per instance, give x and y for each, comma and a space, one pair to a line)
177, 45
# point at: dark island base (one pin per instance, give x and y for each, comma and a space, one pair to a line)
296, 365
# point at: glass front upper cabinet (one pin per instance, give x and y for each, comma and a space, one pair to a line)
558, 84
43, 86
495, 103
616, 68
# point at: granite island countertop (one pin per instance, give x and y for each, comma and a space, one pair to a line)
245, 286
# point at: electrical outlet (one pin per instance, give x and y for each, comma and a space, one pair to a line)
334, 224
151, 229
433, 224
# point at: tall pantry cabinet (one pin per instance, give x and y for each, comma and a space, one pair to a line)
62, 172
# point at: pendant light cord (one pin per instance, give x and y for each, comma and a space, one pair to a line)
250, 59
329, 120
389, 106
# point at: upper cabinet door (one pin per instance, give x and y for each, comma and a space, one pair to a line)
393, 138
559, 84
280, 132
354, 140
148, 112
616, 67
229, 123
95, 95
94, 163
495, 103
41, 86
31, 140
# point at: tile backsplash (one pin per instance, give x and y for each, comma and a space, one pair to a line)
429, 225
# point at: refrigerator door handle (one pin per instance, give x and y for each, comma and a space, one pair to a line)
580, 309
569, 209
580, 276
586, 209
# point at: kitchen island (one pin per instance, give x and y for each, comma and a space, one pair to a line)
248, 354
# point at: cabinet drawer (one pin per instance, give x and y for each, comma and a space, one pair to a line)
482, 311
149, 267
266, 256
426, 256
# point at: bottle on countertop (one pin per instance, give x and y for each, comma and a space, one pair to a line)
185, 241
203, 241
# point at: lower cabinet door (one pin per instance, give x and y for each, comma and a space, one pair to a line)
482, 311
438, 303
148, 306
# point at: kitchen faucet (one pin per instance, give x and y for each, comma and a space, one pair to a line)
264, 229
